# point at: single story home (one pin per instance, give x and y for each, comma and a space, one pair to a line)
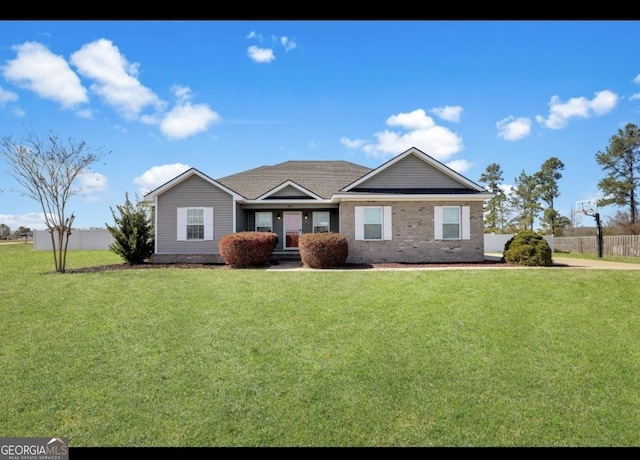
411, 209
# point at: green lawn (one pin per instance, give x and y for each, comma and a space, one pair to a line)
221, 357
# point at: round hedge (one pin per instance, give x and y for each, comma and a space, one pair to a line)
528, 248
323, 250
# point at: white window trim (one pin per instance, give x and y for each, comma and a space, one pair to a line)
386, 222
465, 223
270, 223
182, 223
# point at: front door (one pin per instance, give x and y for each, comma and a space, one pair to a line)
292, 229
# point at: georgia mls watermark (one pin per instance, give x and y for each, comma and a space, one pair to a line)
34, 448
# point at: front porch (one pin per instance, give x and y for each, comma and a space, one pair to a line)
290, 255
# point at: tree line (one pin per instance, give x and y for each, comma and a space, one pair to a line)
533, 195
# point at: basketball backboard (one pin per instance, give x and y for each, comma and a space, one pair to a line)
587, 207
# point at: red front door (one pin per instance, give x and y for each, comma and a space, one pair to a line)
292, 229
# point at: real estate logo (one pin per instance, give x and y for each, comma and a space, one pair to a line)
34, 448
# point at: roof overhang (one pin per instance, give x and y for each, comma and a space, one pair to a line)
285, 202
338, 197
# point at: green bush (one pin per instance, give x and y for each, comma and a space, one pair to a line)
528, 248
247, 249
323, 250
132, 232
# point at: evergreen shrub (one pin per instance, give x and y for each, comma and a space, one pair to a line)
528, 248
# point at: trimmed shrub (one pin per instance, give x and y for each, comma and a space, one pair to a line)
132, 232
528, 248
247, 249
323, 250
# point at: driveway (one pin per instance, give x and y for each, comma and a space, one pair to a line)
557, 262
599, 264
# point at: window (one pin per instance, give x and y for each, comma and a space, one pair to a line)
321, 222
264, 222
195, 224
451, 223
373, 222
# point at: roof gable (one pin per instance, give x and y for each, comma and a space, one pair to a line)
414, 170
289, 190
150, 196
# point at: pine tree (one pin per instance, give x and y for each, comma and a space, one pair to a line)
132, 232
621, 160
495, 207
548, 177
525, 198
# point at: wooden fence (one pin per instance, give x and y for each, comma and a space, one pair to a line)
617, 245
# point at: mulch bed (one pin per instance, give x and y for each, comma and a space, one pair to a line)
152, 266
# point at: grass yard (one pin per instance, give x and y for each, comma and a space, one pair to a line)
220, 357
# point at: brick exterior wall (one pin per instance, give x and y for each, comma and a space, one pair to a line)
413, 235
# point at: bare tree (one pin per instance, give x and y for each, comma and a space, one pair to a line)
46, 169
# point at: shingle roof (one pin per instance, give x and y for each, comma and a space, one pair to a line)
324, 178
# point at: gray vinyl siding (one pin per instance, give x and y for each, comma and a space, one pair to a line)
410, 172
289, 191
241, 219
193, 192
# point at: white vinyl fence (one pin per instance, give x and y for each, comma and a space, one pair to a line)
495, 243
79, 239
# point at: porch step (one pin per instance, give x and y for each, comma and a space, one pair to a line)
277, 256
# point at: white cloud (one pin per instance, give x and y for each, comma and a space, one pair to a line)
182, 93
436, 141
48, 75
288, 44
637, 79
449, 112
92, 181
461, 166
159, 175
92, 185
578, 107
352, 143
513, 129
634, 97
604, 102
186, 120
18, 112
508, 189
7, 96
32, 220
253, 34
260, 55
115, 78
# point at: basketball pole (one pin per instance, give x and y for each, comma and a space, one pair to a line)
596, 216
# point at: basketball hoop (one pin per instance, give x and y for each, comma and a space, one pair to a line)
590, 208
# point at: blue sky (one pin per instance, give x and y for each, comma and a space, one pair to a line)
226, 96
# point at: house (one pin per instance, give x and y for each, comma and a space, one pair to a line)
411, 209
